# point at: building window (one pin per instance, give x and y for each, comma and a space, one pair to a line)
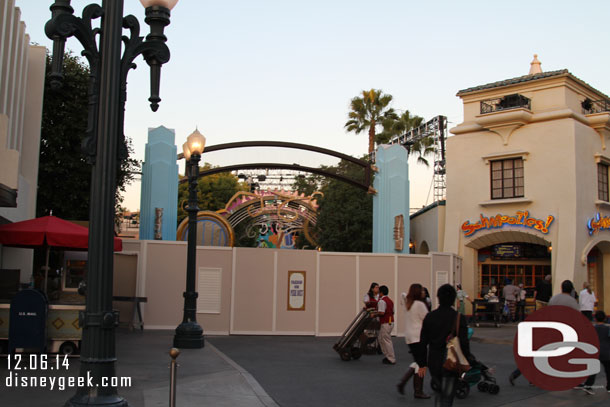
602, 182
507, 178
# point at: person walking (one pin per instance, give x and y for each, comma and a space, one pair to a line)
587, 301
372, 296
603, 333
520, 312
565, 296
427, 299
416, 311
436, 328
462, 296
543, 292
510, 293
385, 311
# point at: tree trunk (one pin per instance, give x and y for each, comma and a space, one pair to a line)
372, 137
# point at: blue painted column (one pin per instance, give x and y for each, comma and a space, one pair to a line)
392, 198
159, 184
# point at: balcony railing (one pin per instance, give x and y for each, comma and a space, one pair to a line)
507, 102
595, 106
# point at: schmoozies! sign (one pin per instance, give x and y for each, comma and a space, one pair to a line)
521, 219
598, 223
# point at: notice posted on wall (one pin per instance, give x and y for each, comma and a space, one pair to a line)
296, 290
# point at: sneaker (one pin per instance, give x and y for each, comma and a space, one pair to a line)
588, 390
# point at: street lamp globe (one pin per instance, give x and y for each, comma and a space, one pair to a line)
186, 151
169, 4
196, 143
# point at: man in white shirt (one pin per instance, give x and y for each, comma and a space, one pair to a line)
587, 301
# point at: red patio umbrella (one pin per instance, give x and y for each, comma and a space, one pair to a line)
47, 232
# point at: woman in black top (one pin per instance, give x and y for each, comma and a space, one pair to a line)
437, 327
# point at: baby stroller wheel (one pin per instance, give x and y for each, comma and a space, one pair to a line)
356, 352
482, 386
462, 390
345, 355
493, 389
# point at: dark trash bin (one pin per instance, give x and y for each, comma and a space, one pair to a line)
28, 321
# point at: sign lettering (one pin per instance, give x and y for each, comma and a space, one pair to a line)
522, 219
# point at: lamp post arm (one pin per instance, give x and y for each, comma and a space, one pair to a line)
63, 25
155, 52
153, 49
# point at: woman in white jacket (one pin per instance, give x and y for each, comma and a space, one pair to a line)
416, 311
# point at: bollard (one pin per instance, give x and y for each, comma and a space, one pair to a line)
174, 353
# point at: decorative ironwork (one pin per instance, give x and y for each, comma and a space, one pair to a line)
273, 215
508, 102
295, 167
365, 165
110, 55
595, 106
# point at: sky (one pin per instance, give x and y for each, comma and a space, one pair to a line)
286, 70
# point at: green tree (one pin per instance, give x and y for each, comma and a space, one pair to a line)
307, 185
369, 111
213, 192
345, 215
64, 175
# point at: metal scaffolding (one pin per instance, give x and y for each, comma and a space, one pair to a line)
436, 128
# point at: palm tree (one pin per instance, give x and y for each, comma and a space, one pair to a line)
369, 111
405, 122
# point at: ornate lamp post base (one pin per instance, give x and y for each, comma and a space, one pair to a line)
189, 335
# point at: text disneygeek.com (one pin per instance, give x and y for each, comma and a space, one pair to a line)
25, 372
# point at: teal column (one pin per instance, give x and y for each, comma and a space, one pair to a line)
392, 198
159, 184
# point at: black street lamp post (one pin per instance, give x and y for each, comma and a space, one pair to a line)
189, 333
104, 145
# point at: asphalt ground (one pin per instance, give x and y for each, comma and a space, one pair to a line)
306, 371
266, 371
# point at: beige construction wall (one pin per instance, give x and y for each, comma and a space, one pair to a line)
254, 286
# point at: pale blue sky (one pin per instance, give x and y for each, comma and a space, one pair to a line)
286, 70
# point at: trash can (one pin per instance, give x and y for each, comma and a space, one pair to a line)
28, 321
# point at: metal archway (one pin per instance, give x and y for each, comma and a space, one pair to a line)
366, 166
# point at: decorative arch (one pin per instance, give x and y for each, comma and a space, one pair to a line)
213, 230
498, 237
601, 241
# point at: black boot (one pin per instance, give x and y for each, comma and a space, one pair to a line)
405, 379
418, 386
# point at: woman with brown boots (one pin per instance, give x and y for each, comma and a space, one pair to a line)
416, 312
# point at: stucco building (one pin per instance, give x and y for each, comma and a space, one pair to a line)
22, 69
527, 183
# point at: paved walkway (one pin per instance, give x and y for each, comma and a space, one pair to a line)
266, 371
206, 377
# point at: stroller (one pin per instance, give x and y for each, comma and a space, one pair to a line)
480, 375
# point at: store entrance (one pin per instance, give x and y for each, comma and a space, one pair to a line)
524, 263
597, 268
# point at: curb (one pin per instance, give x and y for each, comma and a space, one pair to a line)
256, 387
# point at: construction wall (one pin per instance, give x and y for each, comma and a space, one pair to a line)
246, 290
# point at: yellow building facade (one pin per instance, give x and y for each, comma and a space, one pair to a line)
527, 183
